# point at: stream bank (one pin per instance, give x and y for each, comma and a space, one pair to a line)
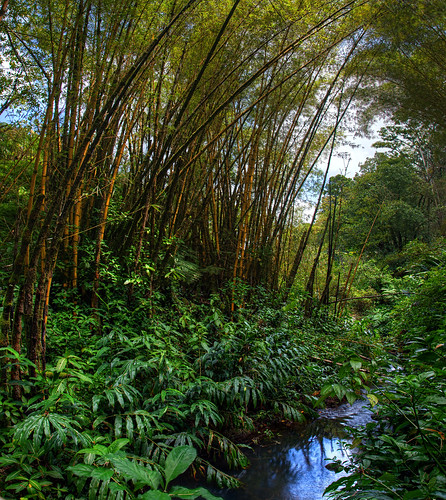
293, 466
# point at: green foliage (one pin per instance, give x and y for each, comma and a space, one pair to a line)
352, 379
405, 40
17, 144
388, 188
402, 453
423, 309
49, 431
111, 472
187, 378
194, 182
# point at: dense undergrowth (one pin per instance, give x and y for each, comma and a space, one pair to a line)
137, 393
402, 453
110, 410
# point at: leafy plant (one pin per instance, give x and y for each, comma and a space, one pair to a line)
117, 473
402, 454
352, 379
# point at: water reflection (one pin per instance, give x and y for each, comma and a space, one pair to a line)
295, 468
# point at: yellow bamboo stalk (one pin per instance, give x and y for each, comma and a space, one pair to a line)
215, 217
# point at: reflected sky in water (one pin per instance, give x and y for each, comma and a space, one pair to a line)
295, 468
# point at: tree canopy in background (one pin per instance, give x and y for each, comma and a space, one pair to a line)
405, 56
390, 188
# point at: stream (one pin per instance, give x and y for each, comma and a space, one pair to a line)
293, 467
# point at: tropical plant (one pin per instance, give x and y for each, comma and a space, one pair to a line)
402, 454
109, 470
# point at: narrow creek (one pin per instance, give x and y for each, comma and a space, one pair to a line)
293, 467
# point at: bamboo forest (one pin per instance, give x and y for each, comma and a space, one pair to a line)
211, 286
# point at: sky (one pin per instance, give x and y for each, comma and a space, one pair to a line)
357, 149
348, 156
355, 154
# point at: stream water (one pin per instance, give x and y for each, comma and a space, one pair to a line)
294, 466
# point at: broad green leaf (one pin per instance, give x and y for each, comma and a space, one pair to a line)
426, 375
154, 495
83, 377
387, 439
118, 444
35, 484
338, 390
137, 472
177, 461
17, 474
12, 351
326, 390
351, 397
98, 449
94, 490
355, 364
96, 400
129, 426
103, 490
99, 420
81, 470
102, 473
182, 492
116, 487
55, 473
118, 426
5, 461
61, 364
373, 399
119, 397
